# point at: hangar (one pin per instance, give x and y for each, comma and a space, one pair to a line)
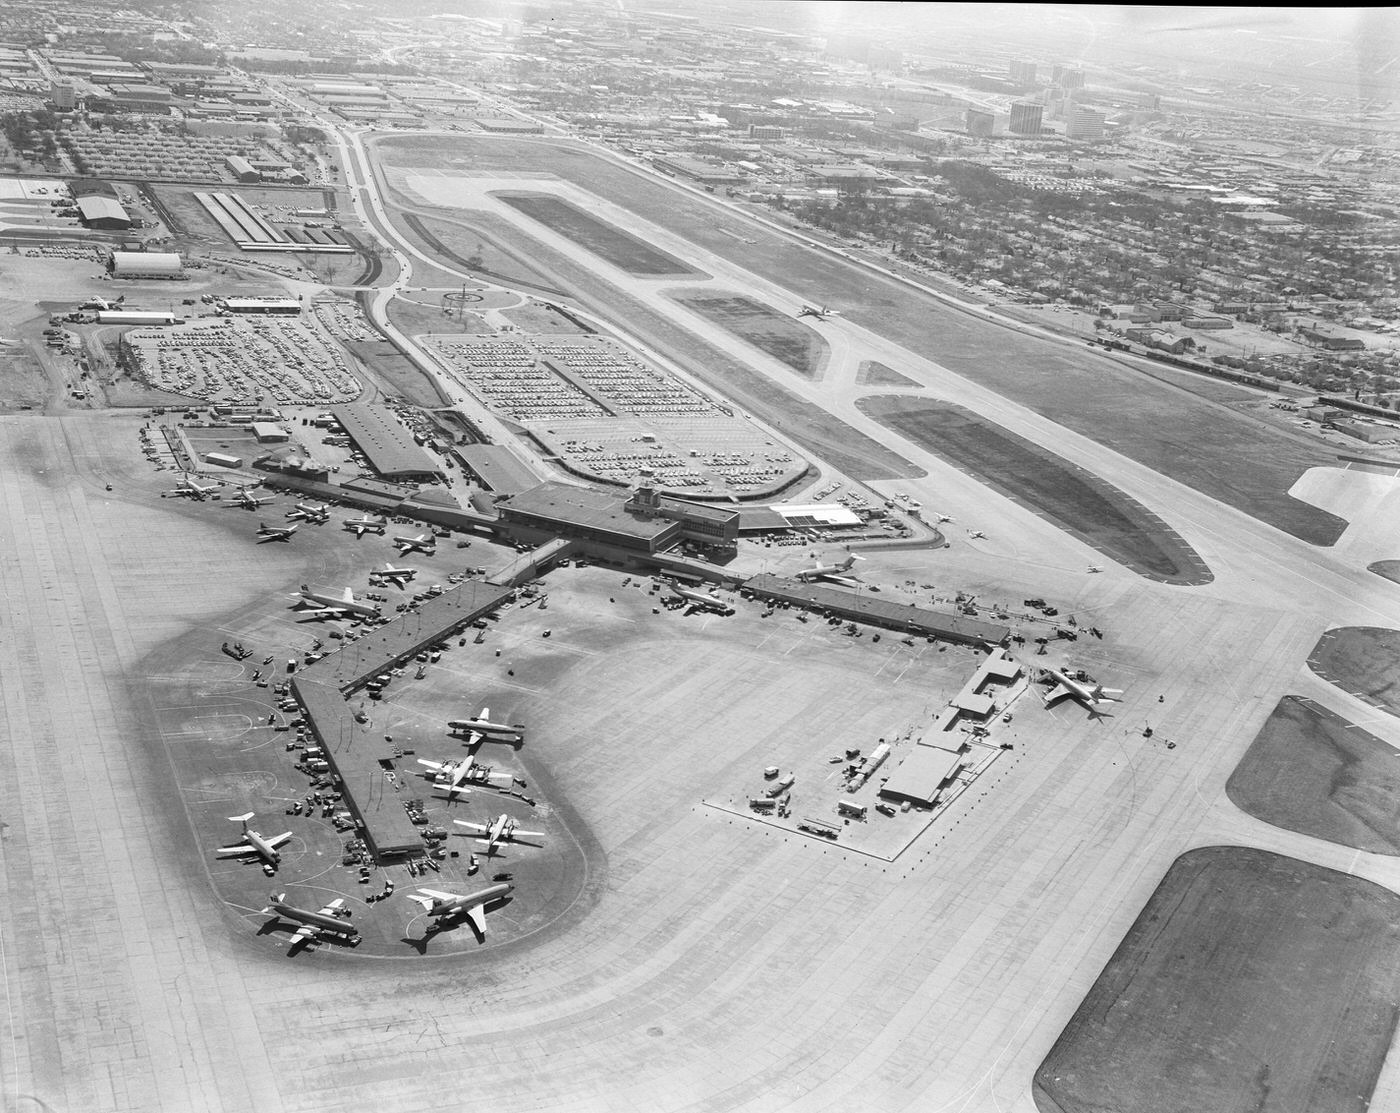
391, 449
146, 264
102, 213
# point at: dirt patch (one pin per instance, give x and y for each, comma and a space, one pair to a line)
790, 343
1250, 981
874, 373
1311, 771
397, 371
619, 248
1362, 660
1076, 500
1390, 569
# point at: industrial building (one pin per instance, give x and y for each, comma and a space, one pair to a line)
386, 442
102, 213
146, 264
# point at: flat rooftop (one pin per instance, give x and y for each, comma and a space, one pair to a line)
385, 440
921, 774
496, 468
353, 754
583, 507
860, 607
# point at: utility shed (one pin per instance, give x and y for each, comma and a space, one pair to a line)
922, 775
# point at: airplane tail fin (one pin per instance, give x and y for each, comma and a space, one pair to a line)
243, 819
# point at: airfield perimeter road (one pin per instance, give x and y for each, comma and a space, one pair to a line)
725, 966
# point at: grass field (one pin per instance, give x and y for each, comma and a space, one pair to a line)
786, 340
874, 373
1162, 425
1309, 770
1075, 500
1249, 982
813, 429
399, 372
460, 243
1363, 660
540, 319
607, 242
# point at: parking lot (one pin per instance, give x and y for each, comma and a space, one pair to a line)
238, 360
607, 414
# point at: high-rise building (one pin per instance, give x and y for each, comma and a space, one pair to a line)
1025, 118
1071, 79
63, 95
1085, 123
980, 121
1023, 74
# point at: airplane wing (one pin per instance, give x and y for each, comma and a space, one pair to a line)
1059, 692
325, 610
477, 915
307, 932
480, 829
438, 894
519, 834
435, 766
334, 907
473, 740
452, 791
235, 851
278, 840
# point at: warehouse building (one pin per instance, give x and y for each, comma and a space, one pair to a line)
242, 169
146, 264
104, 214
389, 446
